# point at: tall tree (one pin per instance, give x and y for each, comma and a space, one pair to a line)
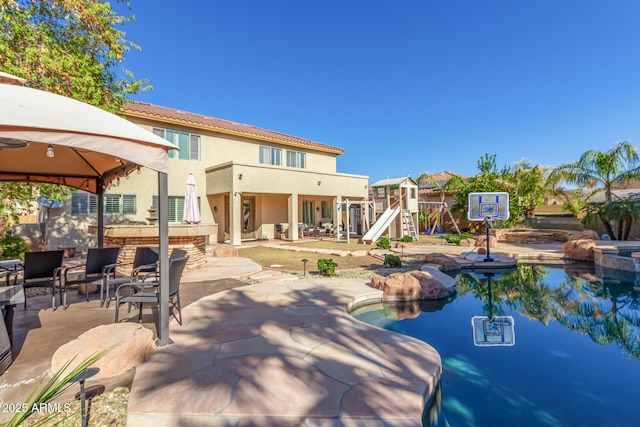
73, 48
601, 169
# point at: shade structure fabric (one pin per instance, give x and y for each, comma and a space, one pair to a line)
191, 212
90, 148
88, 143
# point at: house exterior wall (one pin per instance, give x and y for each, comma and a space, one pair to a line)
228, 174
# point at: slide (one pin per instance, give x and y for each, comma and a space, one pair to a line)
381, 225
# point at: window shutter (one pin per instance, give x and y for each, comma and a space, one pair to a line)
194, 148
79, 204
112, 204
93, 205
129, 204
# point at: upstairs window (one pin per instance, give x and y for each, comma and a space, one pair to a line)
270, 156
189, 144
296, 159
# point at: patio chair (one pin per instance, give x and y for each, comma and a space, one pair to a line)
42, 270
145, 265
100, 263
142, 293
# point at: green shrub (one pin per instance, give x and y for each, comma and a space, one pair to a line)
327, 266
456, 239
12, 247
383, 243
407, 239
392, 261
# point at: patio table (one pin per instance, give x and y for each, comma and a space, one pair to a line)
9, 297
10, 267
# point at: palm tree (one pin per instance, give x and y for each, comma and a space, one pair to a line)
601, 169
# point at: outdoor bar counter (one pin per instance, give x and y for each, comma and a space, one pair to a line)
190, 237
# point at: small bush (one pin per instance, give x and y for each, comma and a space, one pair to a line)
456, 239
407, 239
383, 243
392, 261
327, 266
12, 247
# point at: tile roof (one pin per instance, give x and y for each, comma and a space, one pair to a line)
441, 178
170, 115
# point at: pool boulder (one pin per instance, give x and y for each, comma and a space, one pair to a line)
414, 285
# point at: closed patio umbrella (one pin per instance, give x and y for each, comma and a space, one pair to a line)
191, 212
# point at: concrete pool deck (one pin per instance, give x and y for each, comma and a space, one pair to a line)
284, 353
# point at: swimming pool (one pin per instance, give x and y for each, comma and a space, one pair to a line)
574, 360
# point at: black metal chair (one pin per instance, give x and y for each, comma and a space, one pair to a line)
43, 270
141, 293
100, 262
145, 265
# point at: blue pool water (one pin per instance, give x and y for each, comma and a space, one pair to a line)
575, 360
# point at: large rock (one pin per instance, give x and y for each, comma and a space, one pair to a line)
448, 263
482, 241
581, 250
412, 285
585, 235
225, 251
133, 345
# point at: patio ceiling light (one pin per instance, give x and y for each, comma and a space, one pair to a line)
50, 152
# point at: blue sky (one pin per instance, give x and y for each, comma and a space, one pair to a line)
403, 85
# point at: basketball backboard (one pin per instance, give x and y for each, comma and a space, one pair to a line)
488, 206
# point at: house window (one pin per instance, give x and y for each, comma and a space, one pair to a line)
326, 210
86, 204
175, 207
189, 144
270, 156
296, 159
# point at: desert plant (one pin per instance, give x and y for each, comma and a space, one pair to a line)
327, 266
383, 243
56, 385
406, 239
392, 261
12, 247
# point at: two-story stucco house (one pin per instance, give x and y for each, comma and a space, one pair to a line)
252, 183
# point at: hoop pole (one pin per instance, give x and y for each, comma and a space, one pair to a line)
486, 224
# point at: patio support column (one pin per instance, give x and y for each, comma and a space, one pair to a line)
163, 246
293, 216
337, 216
100, 197
235, 218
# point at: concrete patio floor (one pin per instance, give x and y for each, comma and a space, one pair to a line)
283, 352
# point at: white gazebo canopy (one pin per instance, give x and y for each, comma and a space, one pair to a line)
49, 138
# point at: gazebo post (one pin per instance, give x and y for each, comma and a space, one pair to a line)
100, 197
163, 246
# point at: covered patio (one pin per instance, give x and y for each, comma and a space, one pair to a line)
47, 138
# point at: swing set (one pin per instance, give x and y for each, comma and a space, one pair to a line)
433, 215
